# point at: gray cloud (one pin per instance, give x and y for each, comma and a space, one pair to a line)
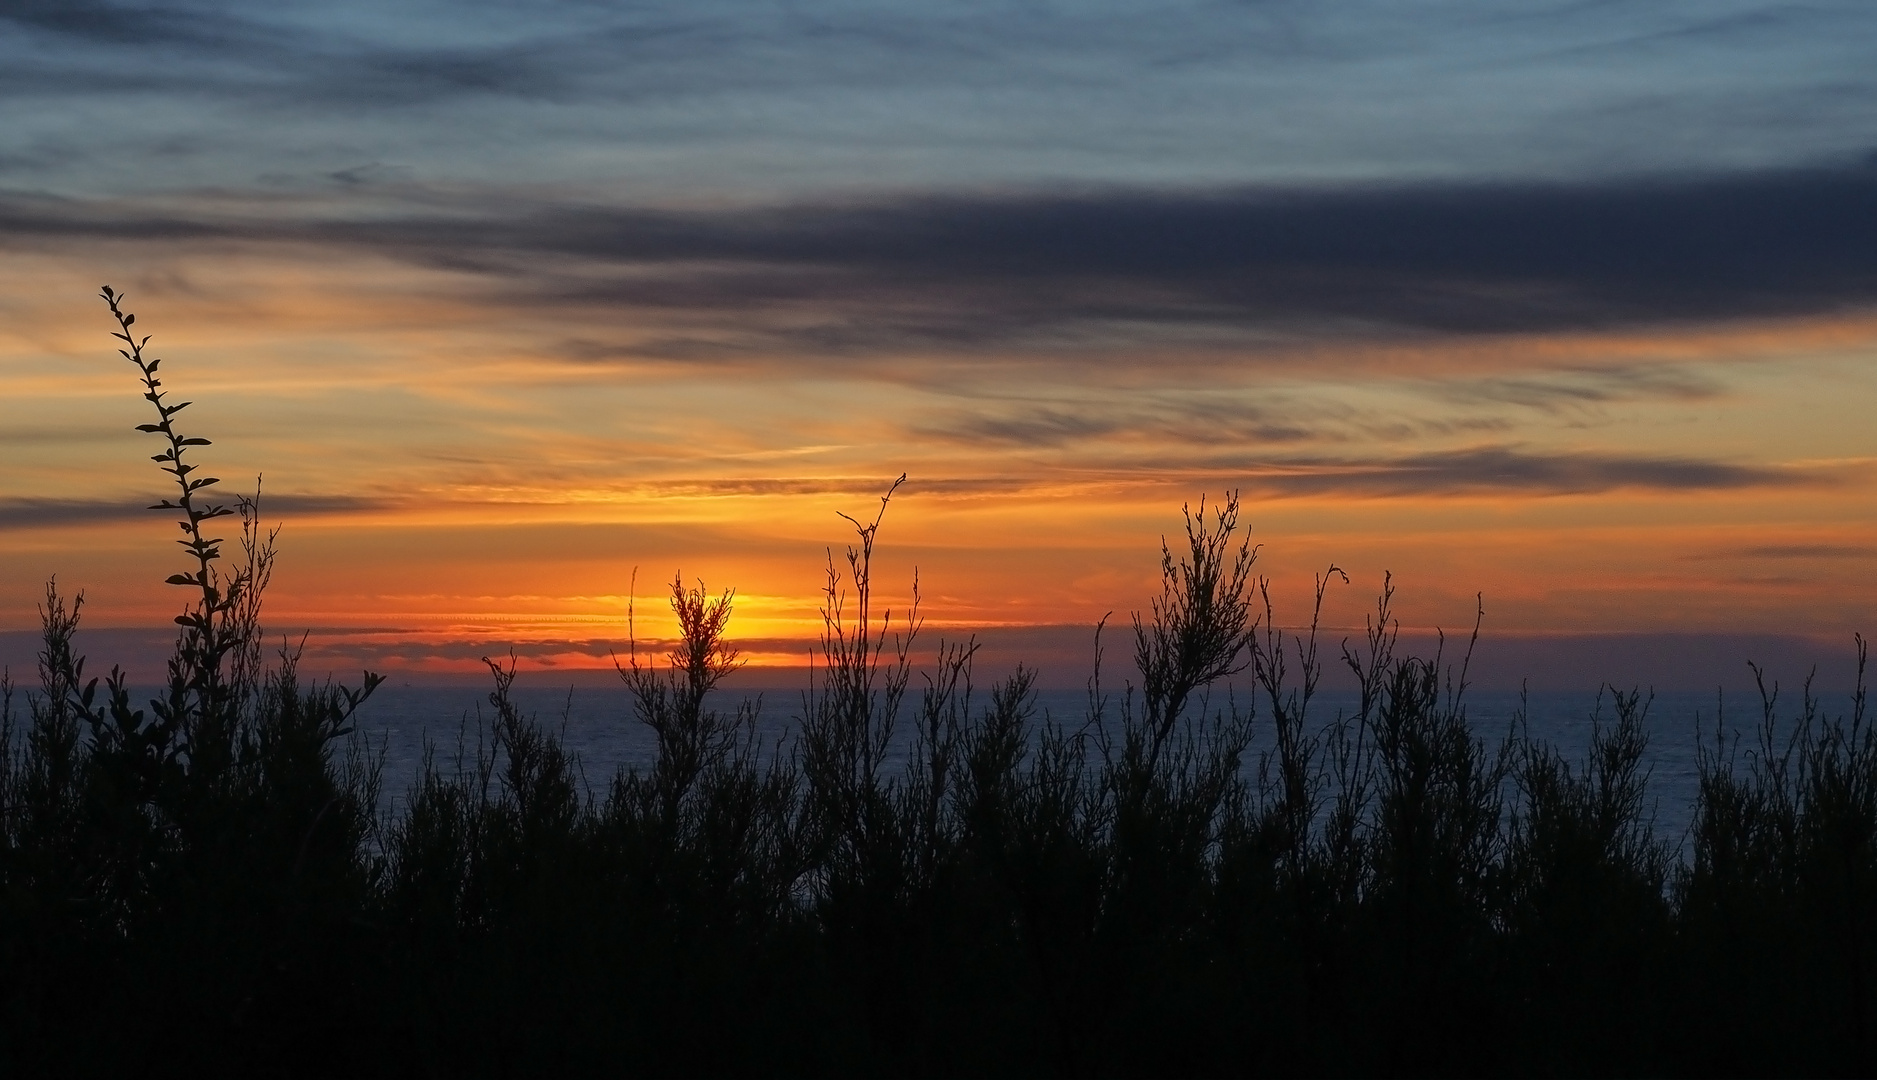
1466, 259
21, 513
113, 24
1490, 469
1787, 551
1103, 269
34, 513
1475, 470
1809, 551
101, 48
1190, 421
741, 100
1568, 391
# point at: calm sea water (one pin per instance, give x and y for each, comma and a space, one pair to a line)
598, 726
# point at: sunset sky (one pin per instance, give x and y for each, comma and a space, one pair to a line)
1572, 305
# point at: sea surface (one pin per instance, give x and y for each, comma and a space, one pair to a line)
597, 725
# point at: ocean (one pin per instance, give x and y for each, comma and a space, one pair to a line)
598, 727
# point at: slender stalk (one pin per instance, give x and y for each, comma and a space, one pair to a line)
206, 638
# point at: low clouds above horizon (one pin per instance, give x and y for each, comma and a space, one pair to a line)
1535, 298
1482, 470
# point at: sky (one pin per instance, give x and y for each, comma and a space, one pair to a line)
1563, 310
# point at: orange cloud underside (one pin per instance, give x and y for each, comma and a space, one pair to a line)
460, 480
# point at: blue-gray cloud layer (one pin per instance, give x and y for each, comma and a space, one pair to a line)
1007, 271
653, 100
1465, 258
984, 176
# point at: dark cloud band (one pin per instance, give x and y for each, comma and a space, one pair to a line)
29, 513
1463, 259
1088, 270
1491, 470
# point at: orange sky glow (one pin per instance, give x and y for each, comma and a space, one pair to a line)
449, 479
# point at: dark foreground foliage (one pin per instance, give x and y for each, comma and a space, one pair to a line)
203, 886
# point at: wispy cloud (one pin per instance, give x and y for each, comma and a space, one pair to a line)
1787, 551
1578, 390
1194, 420
1481, 470
987, 92
857, 486
147, 25
35, 513
1502, 470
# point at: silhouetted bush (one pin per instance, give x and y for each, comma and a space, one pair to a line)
204, 886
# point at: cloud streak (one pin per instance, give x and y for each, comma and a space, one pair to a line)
1461, 259
38, 513
1483, 470
1493, 470
1787, 551
1109, 268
